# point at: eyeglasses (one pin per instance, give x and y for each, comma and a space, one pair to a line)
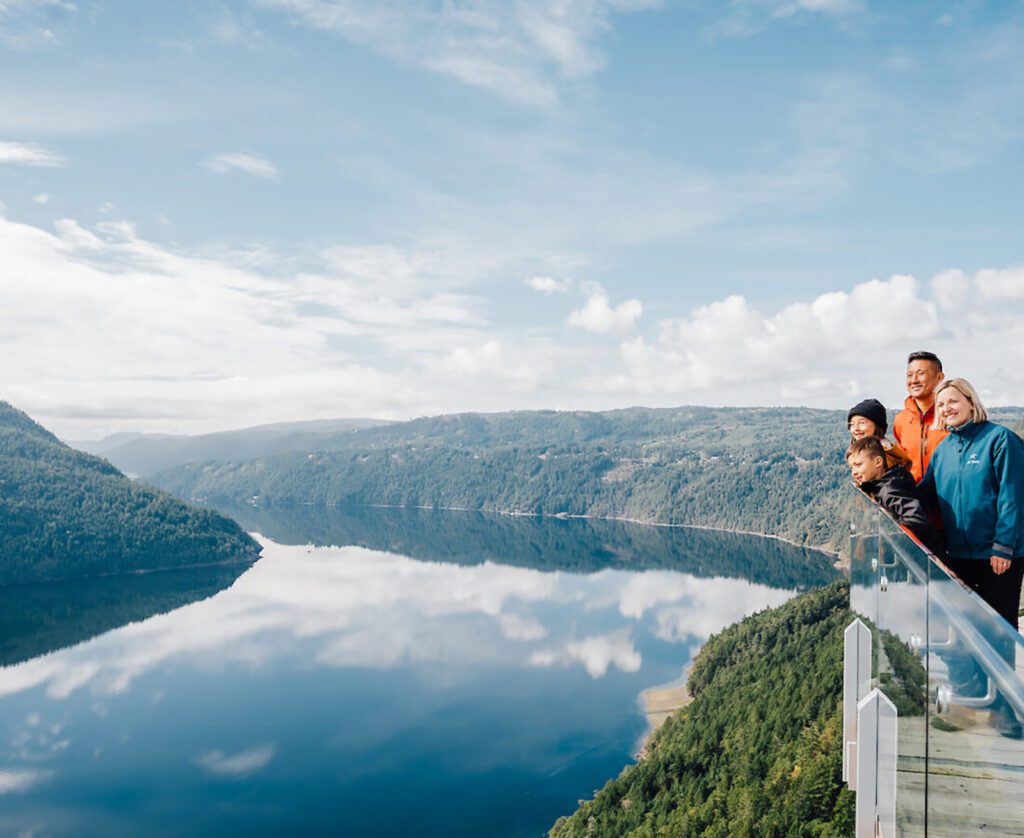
857, 424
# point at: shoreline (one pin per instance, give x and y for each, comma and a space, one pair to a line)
565, 516
660, 702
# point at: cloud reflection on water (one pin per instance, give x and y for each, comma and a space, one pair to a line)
353, 607
241, 764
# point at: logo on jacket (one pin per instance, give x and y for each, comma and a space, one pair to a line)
973, 460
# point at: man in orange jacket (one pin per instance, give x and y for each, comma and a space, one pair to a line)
913, 425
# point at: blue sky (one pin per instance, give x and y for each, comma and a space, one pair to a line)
220, 214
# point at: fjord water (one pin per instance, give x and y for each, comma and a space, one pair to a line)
377, 672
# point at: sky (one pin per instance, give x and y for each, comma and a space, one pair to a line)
216, 215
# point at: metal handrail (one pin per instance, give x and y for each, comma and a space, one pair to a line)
1000, 673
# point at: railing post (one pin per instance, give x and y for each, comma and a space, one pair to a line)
856, 683
876, 766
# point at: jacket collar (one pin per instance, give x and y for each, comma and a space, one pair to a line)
893, 474
966, 431
911, 405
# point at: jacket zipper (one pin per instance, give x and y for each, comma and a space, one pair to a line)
924, 442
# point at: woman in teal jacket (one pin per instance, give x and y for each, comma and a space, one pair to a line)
977, 477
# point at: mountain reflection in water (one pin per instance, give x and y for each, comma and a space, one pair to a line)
347, 690
574, 544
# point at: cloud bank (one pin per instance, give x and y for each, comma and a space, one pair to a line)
103, 330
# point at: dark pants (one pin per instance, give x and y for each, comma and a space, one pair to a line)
1001, 591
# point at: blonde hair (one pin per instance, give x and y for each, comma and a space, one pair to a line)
978, 412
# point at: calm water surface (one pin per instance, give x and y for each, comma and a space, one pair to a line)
377, 672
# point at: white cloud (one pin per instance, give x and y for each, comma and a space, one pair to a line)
1007, 284
950, 289
523, 51
41, 198
236, 765
728, 341
599, 316
787, 8
226, 163
29, 154
549, 285
102, 330
484, 358
17, 780
102, 321
811, 352
26, 24
746, 17
521, 369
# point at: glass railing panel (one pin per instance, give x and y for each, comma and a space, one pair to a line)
976, 761
955, 671
864, 569
902, 624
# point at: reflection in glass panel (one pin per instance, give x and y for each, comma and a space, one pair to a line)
954, 670
902, 623
976, 774
864, 570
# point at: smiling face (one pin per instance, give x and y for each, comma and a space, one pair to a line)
922, 379
864, 467
953, 407
860, 427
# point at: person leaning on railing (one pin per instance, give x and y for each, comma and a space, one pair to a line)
976, 476
893, 488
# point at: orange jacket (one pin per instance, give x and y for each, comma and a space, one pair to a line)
915, 435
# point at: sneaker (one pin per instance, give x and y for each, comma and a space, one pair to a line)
1004, 722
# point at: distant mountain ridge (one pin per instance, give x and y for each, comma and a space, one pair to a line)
141, 454
775, 471
68, 515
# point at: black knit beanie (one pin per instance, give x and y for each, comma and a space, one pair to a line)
871, 409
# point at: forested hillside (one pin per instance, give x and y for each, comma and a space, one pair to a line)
757, 752
766, 470
68, 515
777, 471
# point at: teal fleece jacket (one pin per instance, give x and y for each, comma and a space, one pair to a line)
977, 477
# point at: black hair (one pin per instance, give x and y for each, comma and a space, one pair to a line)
925, 356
